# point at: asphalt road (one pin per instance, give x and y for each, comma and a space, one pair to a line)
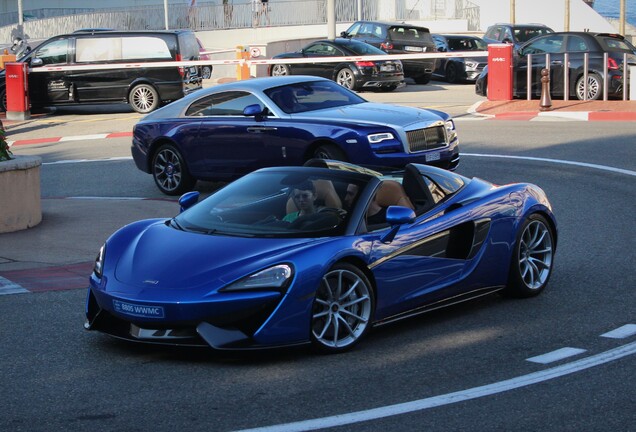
462, 369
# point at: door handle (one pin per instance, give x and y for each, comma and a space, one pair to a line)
260, 129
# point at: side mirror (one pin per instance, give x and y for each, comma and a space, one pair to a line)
396, 216
35, 62
254, 110
188, 199
344, 34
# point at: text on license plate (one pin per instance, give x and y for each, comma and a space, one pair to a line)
387, 68
432, 156
414, 49
146, 311
193, 70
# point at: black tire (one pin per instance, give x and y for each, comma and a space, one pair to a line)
343, 309
423, 79
329, 151
452, 73
143, 98
206, 72
280, 70
347, 79
532, 258
594, 87
170, 172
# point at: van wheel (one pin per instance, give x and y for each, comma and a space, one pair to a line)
144, 98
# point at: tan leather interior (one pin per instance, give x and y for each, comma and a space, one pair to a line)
392, 193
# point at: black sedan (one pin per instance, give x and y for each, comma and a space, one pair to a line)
385, 75
576, 45
459, 69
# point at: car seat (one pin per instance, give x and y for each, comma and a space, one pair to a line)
285, 98
325, 195
392, 193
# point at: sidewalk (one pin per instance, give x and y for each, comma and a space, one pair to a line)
615, 110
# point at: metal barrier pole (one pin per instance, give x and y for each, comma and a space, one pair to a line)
625, 74
586, 61
566, 76
529, 78
605, 76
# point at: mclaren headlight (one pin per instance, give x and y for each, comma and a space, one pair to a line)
379, 137
275, 277
471, 65
98, 269
450, 130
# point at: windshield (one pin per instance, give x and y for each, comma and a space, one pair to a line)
524, 34
311, 96
467, 44
276, 203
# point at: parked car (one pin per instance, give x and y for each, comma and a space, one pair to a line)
226, 131
230, 272
145, 89
458, 69
576, 44
399, 38
385, 75
516, 34
206, 71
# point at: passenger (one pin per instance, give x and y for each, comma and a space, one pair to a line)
304, 196
376, 214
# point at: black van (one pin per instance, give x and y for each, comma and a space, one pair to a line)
144, 88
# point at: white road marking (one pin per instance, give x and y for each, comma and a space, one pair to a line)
557, 355
557, 161
83, 137
622, 332
8, 287
73, 161
450, 398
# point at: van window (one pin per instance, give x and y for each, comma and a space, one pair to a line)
118, 48
54, 52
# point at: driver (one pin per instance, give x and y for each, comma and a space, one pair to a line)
304, 196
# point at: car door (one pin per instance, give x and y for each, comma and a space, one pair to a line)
50, 87
323, 69
424, 260
552, 45
229, 143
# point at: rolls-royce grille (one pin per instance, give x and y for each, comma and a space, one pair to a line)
427, 138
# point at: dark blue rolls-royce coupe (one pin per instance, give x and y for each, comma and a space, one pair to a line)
319, 254
226, 131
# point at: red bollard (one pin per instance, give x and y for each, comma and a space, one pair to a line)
17, 91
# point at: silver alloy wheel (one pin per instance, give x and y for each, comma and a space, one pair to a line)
144, 98
345, 78
206, 72
168, 170
535, 254
280, 70
342, 309
593, 87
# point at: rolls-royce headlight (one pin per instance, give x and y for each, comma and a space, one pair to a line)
98, 269
450, 130
379, 137
273, 277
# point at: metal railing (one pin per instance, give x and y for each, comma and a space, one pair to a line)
237, 14
624, 84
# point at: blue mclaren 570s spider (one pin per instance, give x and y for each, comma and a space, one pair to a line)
319, 255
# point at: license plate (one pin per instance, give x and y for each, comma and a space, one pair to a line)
193, 70
387, 68
145, 311
414, 49
432, 157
